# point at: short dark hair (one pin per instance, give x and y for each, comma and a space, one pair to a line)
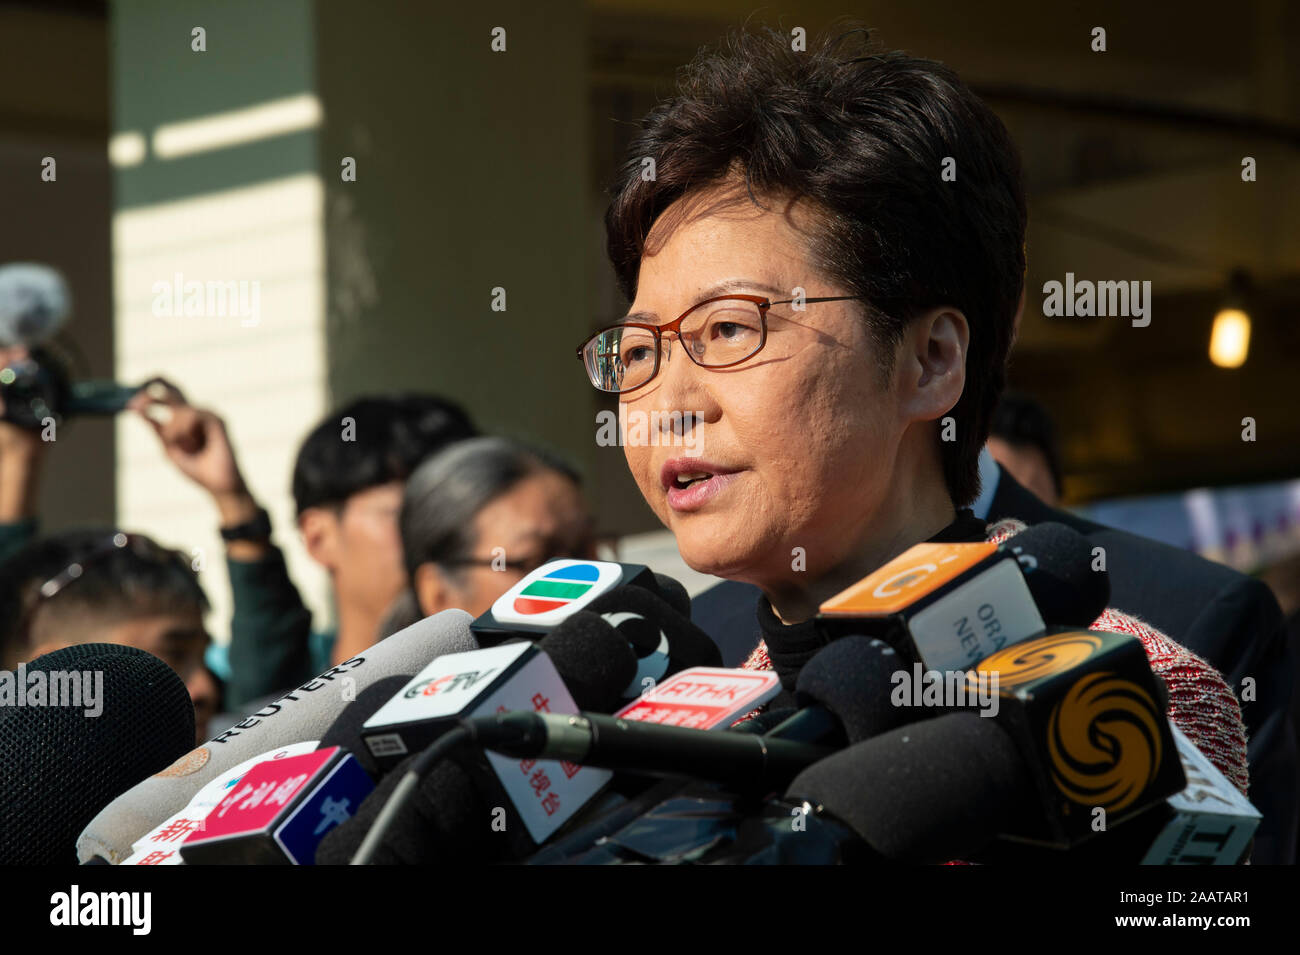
112, 585
1022, 422
864, 135
389, 436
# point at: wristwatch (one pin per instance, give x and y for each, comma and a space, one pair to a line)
256, 529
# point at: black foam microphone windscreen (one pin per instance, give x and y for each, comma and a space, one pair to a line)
853, 678
447, 821
345, 731
61, 762
664, 640
595, 662
1058, 564
674, 594
935, 791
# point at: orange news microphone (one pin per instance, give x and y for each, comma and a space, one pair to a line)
949, 605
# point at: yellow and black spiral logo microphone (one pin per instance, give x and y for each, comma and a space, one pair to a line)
1087, 713
1105, 742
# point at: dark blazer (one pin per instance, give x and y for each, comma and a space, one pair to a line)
1229, 619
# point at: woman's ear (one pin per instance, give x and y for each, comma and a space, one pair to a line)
434, 590
935, 350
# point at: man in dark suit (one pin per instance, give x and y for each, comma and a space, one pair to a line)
1229, 619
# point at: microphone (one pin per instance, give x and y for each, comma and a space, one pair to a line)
449, 819
951, 788
302, 714
926, 793
849, 677
592, 659
742, 760
651, 611
674, 594
650, 748
34, 303
1088, 715
950, 605
844, 697
161, 845
573, 649
78, 727
583, 652
345, 731
1079, 744
280, 810
1208, 823
665, 641
510, 676
552, 593
553, 596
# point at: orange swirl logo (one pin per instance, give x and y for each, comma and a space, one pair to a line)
1034, 659
1104, 741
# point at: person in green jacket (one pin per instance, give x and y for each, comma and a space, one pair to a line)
347, 484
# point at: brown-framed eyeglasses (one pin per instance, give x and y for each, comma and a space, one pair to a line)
718, 332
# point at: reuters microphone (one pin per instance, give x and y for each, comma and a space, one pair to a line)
302, 714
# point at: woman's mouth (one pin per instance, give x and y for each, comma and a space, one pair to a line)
692, 484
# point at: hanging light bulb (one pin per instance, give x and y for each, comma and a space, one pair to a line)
1230, 336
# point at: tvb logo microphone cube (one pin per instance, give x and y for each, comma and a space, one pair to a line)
552, 593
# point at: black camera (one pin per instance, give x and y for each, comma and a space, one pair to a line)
35, 384
38, 388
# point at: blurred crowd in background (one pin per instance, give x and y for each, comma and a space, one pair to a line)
407, 508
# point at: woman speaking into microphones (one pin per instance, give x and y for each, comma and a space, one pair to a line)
824, 252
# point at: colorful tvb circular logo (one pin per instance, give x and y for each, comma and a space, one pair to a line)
556, 590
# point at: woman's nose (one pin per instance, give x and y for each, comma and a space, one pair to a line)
677, 378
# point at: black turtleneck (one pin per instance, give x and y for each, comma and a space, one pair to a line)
791, 645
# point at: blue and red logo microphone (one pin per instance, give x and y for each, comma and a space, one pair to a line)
552, 593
